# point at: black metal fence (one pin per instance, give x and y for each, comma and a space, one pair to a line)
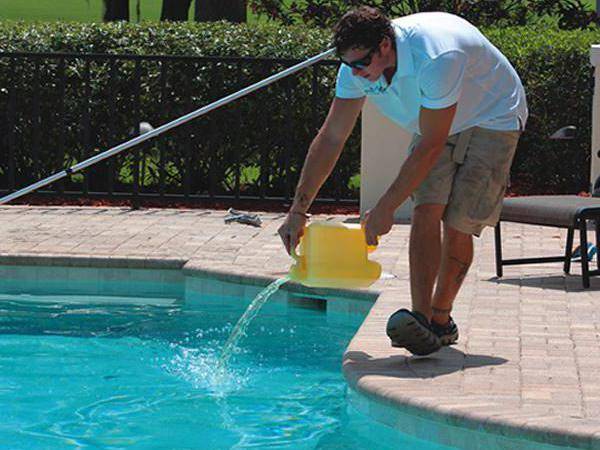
59, 109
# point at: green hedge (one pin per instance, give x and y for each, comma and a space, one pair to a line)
553, 64
558, 77
157, 38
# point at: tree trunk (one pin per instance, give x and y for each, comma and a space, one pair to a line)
212, 10
116, 10
175, 10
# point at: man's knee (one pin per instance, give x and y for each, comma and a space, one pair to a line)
454, 235
428, 213
459, 247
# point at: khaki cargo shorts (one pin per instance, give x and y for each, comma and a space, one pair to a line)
470, 178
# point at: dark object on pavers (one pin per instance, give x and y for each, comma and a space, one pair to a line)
562, 211
243, 217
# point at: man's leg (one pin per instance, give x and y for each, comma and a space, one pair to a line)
412, 329
424, 255
476, 201
457, 255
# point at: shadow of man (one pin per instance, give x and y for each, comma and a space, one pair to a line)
448, 360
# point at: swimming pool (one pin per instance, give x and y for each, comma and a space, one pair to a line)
102, 358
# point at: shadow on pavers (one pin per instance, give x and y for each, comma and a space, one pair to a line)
445, 361
569, 283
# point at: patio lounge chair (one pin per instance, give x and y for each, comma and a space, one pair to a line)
563, 211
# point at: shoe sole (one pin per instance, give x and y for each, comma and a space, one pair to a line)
405, 331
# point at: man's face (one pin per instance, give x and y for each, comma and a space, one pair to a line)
365, 62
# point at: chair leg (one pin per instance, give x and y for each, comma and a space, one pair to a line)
585, 269
498, 246
569, 250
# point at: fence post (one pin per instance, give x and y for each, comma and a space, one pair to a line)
86, 149
135, 203
12, 113
112, 125
36, 149
62, 89
162, 143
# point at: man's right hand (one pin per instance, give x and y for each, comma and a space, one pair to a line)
292, 230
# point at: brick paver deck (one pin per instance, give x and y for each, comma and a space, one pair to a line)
528, 359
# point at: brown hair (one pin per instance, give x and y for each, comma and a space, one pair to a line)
364, 27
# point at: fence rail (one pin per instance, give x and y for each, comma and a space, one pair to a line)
59, 109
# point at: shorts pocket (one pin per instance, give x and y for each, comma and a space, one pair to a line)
486, 209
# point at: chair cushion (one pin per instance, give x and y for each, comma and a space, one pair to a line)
552, 210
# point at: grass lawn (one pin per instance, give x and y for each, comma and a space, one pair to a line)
75, 10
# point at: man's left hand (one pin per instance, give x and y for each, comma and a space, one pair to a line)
377, 222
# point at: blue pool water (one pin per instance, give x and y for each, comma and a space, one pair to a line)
80, 373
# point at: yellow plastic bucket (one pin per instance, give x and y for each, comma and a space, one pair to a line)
333, 254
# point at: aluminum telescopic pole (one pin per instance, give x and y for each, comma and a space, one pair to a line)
166, 127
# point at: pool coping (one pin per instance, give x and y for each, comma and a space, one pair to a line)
505, 422
377, 384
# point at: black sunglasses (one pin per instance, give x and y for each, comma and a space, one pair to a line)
361, 63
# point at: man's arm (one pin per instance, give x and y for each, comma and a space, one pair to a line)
435, 125
325, 150
323, 153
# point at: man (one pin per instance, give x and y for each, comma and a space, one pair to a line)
437, 76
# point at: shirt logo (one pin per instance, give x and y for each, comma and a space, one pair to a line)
375, 90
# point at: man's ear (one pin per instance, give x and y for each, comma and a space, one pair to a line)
386, 45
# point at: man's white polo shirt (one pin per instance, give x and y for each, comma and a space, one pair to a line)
441, 60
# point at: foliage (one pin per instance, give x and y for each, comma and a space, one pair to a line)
325, 13
558, 78
189, 39
255, 146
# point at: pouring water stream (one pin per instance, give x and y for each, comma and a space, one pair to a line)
242, 324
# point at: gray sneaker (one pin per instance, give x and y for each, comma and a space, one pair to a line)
448, 333
411, 330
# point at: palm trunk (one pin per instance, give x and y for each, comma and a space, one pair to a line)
116, 10
212, 10
175, 10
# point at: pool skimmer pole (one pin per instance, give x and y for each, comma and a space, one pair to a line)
166, 127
